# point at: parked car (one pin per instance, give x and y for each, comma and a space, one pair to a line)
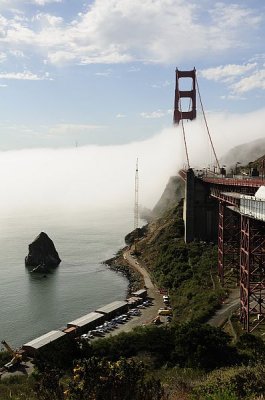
164, 311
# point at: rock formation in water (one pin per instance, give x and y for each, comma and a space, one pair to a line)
42, 254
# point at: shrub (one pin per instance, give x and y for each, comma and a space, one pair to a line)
244, 382
202, 346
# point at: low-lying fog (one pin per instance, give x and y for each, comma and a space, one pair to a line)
101, 176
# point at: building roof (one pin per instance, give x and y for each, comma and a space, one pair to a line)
139, 292
85, 319
115, 305
45, 339
134, 299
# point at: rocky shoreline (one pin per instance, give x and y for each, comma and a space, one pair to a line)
119, 264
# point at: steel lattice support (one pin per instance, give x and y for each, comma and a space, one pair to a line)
228, 245
231, 247
252, 273
221, 243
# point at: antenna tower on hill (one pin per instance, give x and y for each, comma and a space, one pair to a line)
136, 198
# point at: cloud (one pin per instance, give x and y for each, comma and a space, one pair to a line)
3, 57
239, 78
103, 176
134, 69
86, 177
44, 2
254, 81
25, 75
103, 73
118, 31
155, 114
48, 20
225, 72
72, 129
120, 116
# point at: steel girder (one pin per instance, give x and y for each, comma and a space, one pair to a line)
228, 246
252, 273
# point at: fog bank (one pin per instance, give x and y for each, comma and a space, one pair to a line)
89, 176
103, 176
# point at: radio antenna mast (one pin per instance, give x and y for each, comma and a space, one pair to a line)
136, 198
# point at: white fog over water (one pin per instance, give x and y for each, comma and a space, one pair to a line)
83, 199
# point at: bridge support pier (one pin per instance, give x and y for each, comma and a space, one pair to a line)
200, 212
252, 273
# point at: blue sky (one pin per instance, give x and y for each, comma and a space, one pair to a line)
102, 72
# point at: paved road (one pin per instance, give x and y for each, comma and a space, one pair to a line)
149, 313
227, 308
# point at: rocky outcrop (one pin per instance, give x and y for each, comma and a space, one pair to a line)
172, 194
135, 235
42, 253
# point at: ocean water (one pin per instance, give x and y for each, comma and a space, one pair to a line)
31, 305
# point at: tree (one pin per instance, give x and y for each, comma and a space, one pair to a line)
99, 379
203, 346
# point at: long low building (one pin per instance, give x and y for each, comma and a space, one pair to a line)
114, 308
38, 344
87, 322
140, 293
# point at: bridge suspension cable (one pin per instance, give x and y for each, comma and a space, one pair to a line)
206, 124
184, 139
190, 114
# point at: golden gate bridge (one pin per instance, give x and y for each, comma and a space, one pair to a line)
229, 211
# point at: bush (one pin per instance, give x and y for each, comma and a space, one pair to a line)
243, 382
158, 341
17, 388
100, 379
251, 348
5, 357
202, 346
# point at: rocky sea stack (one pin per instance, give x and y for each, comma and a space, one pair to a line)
42, 253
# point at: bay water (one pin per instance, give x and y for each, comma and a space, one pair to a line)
31, 304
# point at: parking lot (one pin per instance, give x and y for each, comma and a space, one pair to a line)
142, 315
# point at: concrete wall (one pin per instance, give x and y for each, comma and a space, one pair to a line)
200, 211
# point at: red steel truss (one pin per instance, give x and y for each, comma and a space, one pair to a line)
225, 197
228, 246
248, 182
221, 242
252, 273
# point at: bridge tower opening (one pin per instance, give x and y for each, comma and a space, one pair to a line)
179, 114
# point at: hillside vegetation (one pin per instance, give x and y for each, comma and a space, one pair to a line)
187, 271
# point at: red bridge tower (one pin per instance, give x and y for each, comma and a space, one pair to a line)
178, 112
